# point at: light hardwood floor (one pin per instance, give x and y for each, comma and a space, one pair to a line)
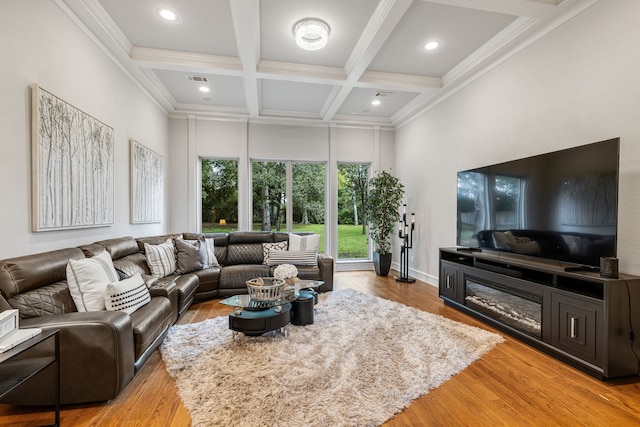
513, 385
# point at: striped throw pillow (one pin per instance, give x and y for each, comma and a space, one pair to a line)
161, 258
127, 295
304, 243
277, 257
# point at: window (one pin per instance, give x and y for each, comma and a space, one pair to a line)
219, 195
308, 198
353, 241
269, 181
271, 203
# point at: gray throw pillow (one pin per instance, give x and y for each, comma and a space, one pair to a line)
190, 256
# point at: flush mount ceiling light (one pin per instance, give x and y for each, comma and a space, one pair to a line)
204, 89
167, 14
311, 33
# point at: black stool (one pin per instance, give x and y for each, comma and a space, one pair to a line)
310, 291
302, 310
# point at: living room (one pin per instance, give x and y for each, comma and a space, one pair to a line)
573, 84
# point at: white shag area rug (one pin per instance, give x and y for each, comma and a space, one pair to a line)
362, 360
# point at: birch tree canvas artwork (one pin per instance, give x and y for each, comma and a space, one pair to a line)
72, 166
146, 184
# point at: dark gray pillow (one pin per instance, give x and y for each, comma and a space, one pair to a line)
191, 256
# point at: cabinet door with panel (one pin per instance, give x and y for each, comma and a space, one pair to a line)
451, 282
578, 326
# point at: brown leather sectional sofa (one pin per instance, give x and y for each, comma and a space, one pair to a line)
100, 352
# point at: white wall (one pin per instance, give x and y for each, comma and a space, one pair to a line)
40, 44
574, 86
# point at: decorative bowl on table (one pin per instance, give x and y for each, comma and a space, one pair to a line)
265, 288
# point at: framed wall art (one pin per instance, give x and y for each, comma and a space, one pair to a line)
72, 166
146, 184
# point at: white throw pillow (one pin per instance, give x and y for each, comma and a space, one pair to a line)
161, 258
276, 246
304, 243
277, 257
88, 279
211, 252
127, 295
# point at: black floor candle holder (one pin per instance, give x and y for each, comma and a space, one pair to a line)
406, 235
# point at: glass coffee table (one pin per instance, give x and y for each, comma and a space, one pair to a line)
255, 318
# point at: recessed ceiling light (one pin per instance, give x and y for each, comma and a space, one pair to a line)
204, 89
431, 45
167, 14
375, 102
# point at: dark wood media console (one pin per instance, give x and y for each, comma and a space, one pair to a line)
577, 316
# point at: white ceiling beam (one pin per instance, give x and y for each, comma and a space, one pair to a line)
530, 8
246, 24
179, 61
382, 23
397, 81
490, 49
276, 70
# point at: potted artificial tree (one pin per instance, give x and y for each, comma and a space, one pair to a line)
383, 201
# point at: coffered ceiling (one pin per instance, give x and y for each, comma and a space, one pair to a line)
245, 53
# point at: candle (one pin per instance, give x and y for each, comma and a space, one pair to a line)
404, 209
413, 218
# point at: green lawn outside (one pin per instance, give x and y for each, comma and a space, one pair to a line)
352, 244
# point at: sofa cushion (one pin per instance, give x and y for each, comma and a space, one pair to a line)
244, 253
45, 301
91, 249
132, 264
88, 279
305, 272
277, 246
209, 280
161, 258
191, 255
277, 257
120, 247
236, 276
186, 286
149, 322
127, 295
156, 240
25, 273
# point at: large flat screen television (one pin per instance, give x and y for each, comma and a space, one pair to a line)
561, 206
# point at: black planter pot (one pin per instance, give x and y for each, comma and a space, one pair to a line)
382, 263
